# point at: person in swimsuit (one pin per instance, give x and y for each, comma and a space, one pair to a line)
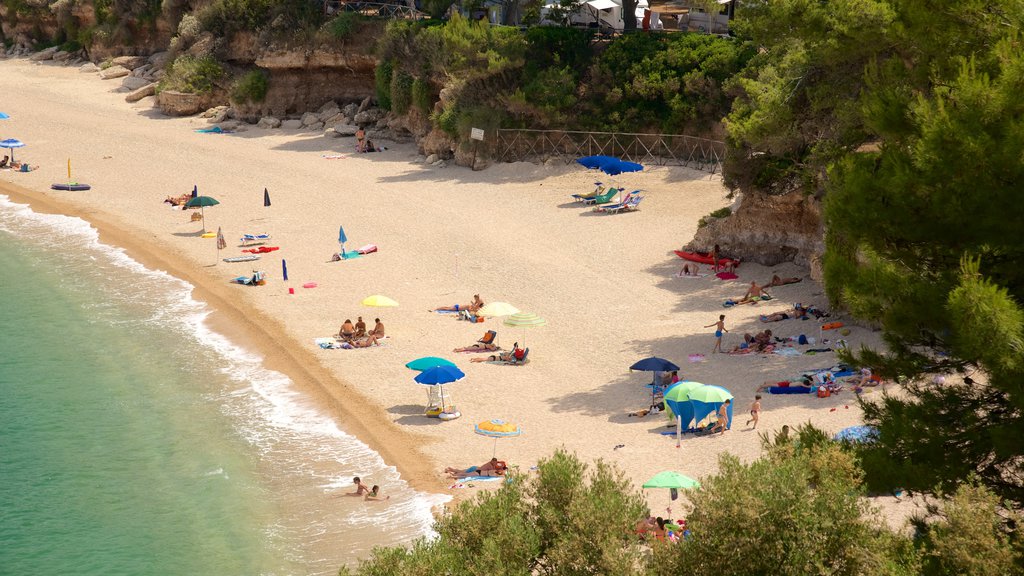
723, 418
361, 488
755, 411
776, 317
374, 494
360, 328
514, 355
489, 468
719, 328
478, 348
776, 281
347, 331
378, 329
370, 340
473, 306
754, 293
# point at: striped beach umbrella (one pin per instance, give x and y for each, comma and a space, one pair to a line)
497, 429
497, 309
525, 320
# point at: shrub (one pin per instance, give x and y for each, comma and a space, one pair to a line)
251, 87
342, 26
720, 213
382, 81
422, 97
401, 92
192, 75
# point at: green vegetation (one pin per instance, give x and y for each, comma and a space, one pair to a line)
797, 510
720, 213
192, 75
251, 87
382, 81
343, 26
906, 118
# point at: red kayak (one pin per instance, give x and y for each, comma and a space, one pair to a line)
262, 250
705, 258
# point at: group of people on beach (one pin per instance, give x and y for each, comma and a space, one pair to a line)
356, 334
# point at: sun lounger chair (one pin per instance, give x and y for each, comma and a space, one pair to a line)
247, 238
257, 279
526, 353
599, 188
603, 198
627, 204
488, 337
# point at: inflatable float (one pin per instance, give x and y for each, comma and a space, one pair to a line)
705, 258
74, 186
241, 258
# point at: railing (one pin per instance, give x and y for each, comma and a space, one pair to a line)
390, 10
515, 145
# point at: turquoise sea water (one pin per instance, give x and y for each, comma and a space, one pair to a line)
133, 440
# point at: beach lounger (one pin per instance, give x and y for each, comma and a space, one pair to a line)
599, 188
513, 361
603, 198
628, 203
257, 279
488, 337
247, 238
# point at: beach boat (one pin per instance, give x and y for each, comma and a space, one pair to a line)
704, 258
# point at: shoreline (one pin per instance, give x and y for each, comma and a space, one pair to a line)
252, 329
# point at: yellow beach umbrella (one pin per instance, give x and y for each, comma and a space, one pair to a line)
497, 309
497, 429
378, 300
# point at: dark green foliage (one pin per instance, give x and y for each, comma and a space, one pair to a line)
192, 75
663, 82
343, 26
568, 519
251, 87
720, 213
401, 91
224, 17
382, 80
796, 511
422, 98
437, 8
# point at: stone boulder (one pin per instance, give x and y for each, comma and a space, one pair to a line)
370, 116
308, 119
330, 115
331, 133
219, 116
315, 126
338, 118
61, 56
159, 60
365, 104
89, 67
329, 105
175, 103
139, 94
134, 83
292, 124
346, 129
350, 110
46, 54
129, 62
268, 122
114, 72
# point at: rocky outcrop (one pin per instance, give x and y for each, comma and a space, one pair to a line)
181, 104
136, 95
114, 72
769, 230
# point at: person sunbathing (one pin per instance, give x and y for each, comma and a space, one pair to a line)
776, 281
347, 331
776, 317
3, 163
492, 467
370, 340
489, 347
473, 306
514, 355
754, 293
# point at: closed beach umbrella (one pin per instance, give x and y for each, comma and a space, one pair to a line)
428, 362
221, 243
379, 301
669, 479
497, 429
266, 198
202, 202
497, 309
677, 399
12, 143
525, 320
284, 269
342, 239
195, 191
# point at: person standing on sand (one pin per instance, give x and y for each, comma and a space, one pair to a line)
719, 328
755, 411
723, 418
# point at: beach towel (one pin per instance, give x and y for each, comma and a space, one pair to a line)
691, 275
789, 390
333, 344
333, 156
481, 478
213, 130
695, 357
262, 249
349, 255
788, 352
726, 276
368, 249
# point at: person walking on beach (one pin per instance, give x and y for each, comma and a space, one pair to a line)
723, 418
719, 328
755, 411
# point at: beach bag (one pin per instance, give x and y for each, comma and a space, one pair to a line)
801, 340
823, 392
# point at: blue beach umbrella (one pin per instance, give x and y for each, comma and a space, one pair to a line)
858, 434
654, 364
428, 362
596, 161
620, 166
3, 116
342, 239
12, 143
439, 376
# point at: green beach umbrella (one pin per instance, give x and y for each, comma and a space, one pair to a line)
428, 362
202, 202
711, 394
677, 400
525, 320
669, 479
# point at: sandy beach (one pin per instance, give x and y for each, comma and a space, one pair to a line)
606, 284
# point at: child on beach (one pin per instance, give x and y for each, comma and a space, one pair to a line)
723, 418
374, 494
755, 411
360, 487
719, 328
